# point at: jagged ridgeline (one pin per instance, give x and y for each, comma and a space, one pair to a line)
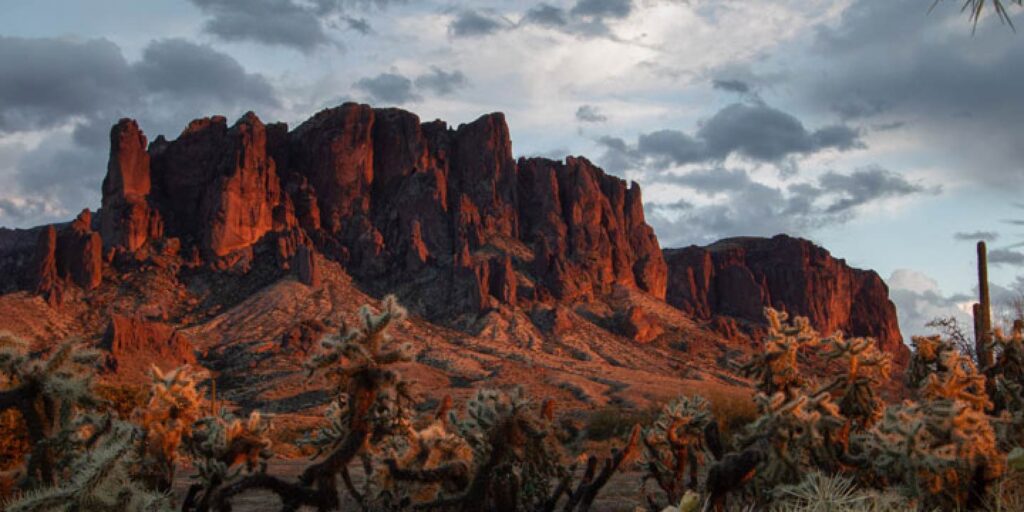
443, 217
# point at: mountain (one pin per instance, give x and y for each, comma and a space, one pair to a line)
739, 277
239, 246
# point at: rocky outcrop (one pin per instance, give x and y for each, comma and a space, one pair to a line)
127, 219
218, 187
444, 217
738, 277
135, 343
72, 255
588, 230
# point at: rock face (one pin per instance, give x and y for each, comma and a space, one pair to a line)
127, 220
444, 217
135, 343
738, 277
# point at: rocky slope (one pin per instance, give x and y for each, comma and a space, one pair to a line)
241, 245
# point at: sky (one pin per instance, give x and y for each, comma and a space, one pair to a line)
882, 130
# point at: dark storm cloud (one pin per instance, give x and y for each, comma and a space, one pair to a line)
473, 23
764, 133
974, 236
668, 147
359, 25
590, 114
755, 131
46, 82
865, 185
546, 15
272, 22
391, 88
748, 207
1006, 257
87, 86
892, 59
586, 18
603, 8
442, 82
737, 86
183, 68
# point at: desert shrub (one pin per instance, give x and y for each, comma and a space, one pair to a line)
616, 422
121, 400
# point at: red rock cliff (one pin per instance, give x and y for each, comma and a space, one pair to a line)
738, 277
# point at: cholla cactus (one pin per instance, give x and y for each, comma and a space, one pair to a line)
51, 395
223, 447
674, 442
173, 406
371, 406
867, 368
100, 478
429, 465
1007, 373
797, 434
775, 370
944, 451
517, 454
927, 358
958, 379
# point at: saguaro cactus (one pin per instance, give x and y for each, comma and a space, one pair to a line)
983, 312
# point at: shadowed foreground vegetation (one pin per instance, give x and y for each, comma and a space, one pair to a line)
801, 444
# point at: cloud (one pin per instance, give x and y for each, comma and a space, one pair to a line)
586, 18
545, 15
734, 204
865, 185
473, 23
441, 82
183, 68
668, 147
974, 236
737, 86
590, 114
67, 93
358, 24
1006, 257
918, 301
603, 8
391, 88
272, 22
47, 82
768, 134
758, 132
947, 81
